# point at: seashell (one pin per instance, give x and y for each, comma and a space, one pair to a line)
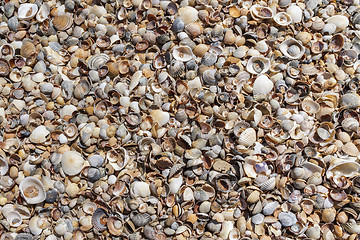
340, 21
259, 12
350, 100
176, 68
315, 179
178, 25
188, 14
318, 46
310, 106
349, 57
350, 149
4, 68
28, 50
39, 135
98, 60
287, 219
258, 65
248, 137
32, 190
336, 42
295, 12
89, 207
63, 22
329, 28
342, 168
318, 24
209, 59
140, 189
160, 117
234, 234
292, 49
27, 11
350, 124
282, 19
43, 13
226, 228
269, 208
194, 29
262, 87
352, 227
268, 185
210, 76
72, 163
14, 219
100, 219
183, 53
81, 89
7, 50
103, 42
234, 11
115, 226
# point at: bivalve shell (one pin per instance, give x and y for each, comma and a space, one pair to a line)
72, 163
32, 190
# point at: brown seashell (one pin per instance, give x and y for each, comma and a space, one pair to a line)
194, 29
103, 42
336, 42
63, 22
115, 226
142, 45
234, 11
28, 49
4, 68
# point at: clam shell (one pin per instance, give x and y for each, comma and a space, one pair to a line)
72, 163
39, 135
343, 168
4, 68
63, 22
287, 219
43, 13
4, 165
258, 65
340, 21
260, 12
282, 19
27, 11
336, 42
99, 219
188, 14
32, 190
14, 219
98, 60
292, 49
210, 76
115, 226
350, 149
248, 137
183, 53
141, 189
310, 106
352, 227
262, 87
295, 12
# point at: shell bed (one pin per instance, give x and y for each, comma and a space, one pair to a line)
179, 120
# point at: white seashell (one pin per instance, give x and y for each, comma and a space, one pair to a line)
89, 207
72, 163
292, 48
257, 219
344, 168
340, 21
188, 195
226, 227
247, 137
234, 234
34, 227
283, 19
39, 135
270, 207
32, 190
259, 12
160, 117
262, 87
175, 184
67, 110
258, 65
295, 13
188, 14
43, 12
287, 219
141, 189
98, 60
262, 46
14, 219
183, 53
27, 11
352, 227
4, 165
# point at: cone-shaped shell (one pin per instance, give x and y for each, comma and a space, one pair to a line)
32, 190
72, 163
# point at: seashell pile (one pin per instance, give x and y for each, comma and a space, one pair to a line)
193, 119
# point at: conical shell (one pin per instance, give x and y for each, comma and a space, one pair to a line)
32, 190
